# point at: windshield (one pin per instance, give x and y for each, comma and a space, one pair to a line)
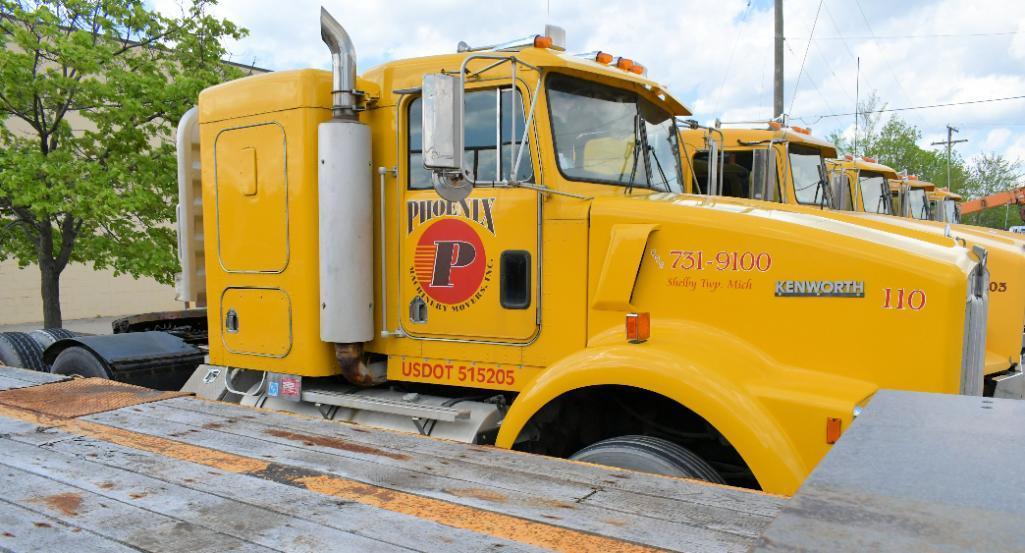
875, 193
807, 166
608, 135
918, 205
951, 212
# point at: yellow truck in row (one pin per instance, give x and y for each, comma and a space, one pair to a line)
498, 246
804, 174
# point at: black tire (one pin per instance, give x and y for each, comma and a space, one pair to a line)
18, 349
80, 361
47, 336
648, 454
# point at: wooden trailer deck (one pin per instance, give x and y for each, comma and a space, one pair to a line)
90, 465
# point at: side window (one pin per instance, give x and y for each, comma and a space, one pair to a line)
483, 130
742, 177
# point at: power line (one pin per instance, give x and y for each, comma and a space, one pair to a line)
815, 22
813, 84
907, 37
729, 63
868, 26
909, 108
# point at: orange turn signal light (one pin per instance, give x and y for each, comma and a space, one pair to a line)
603, 58
833, 428
542, 41
638, 327
868, 159
625, 64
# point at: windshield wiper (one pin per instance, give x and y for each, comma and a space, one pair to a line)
658, 164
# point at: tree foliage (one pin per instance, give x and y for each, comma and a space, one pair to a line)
895, 142
90, 93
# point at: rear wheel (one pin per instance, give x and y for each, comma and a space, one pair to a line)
648, 454
47, 336
18, 349
80, 361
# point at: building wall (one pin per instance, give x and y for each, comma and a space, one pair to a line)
85, 293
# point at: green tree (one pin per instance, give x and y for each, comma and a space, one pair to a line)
867, 130
101, 191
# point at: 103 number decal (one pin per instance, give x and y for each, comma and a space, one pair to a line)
687, 260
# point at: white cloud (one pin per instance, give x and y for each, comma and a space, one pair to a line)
716, 57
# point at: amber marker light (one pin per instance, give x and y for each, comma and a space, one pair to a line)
625, 63
775, 125
542, 41
833, 427
638, 68
638, 327
868, 159
603, 58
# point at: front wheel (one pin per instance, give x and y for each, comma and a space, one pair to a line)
648, 454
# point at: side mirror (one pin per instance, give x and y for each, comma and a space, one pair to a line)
442, 122
840, 193
764, 184
443, 135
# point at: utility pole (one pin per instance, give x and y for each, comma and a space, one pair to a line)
777, 89
950, 142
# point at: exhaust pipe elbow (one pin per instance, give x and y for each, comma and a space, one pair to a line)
343, 65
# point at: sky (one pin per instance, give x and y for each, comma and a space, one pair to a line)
714, 56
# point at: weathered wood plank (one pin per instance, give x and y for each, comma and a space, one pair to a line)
114, 520
244, 521
25, 530
377, 469
401, 530
12, 378
492, 459
530, 475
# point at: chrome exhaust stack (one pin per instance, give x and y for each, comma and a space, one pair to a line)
345, 218
343, 66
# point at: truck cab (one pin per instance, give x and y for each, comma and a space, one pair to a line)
864, 192
495, 246
911, 197
945, 206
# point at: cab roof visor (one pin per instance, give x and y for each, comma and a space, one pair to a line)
343, 65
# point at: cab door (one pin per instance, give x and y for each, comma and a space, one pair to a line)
469, 269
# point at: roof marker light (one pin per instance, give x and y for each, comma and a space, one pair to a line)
603, 58
624, 63
869, 159
542, 41
639, 69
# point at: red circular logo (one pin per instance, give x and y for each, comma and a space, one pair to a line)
450, 262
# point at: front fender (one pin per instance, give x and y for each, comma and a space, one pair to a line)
772, 415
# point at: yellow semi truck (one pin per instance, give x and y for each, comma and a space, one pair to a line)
494, 246
945, 206
802, 173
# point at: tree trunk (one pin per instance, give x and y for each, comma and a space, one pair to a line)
51, 293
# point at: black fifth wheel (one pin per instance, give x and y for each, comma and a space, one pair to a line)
152, 359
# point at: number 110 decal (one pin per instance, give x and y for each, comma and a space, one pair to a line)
901, 299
